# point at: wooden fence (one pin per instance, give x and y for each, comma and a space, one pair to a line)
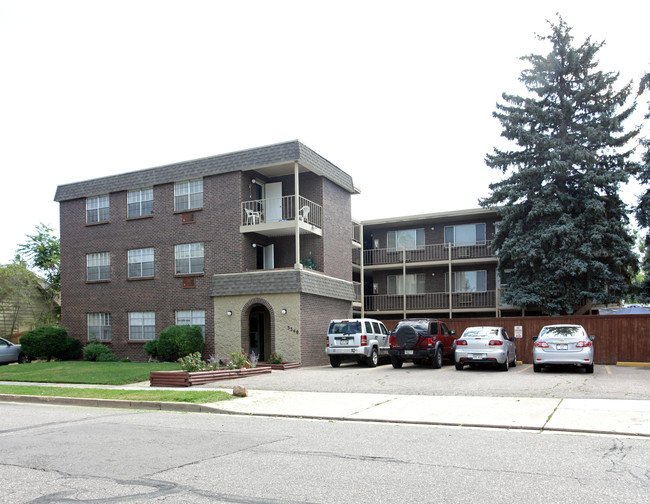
619, 338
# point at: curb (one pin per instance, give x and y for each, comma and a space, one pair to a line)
633, 364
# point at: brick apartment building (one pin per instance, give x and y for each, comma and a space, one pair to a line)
253, 246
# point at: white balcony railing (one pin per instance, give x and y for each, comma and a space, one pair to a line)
428, 253
273, 210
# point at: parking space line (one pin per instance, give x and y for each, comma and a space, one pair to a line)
609, 371
525, 369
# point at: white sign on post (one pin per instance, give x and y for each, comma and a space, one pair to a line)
519, 331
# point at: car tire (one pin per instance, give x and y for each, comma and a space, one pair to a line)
406, 337
373, 359
335, 361
24, 359
459, 366
436, 360
589, 369
514, 361
537, 368
506, 364
396, 362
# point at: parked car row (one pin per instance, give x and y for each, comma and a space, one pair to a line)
428, 341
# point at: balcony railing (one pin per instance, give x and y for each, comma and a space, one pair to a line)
273, 210
428, 253
430, 301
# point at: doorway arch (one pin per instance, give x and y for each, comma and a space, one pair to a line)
258, 328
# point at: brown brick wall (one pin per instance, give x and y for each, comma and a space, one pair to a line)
316, 314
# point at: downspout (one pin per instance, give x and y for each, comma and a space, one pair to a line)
404, 279
451, 283
296, 206
363, 280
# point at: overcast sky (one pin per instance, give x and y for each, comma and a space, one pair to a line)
398, 94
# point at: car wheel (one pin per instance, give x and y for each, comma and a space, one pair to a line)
436, 360
396, 362
373, 359
459, 366
335, 361
537, 368
589, 369
506, 364
514, 361
406, 337
24, 359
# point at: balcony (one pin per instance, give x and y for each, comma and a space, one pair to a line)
431, 302
429, 254
279, 216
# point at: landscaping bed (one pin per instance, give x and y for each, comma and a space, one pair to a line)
187, 379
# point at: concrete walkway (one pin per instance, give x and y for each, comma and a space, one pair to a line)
602, 416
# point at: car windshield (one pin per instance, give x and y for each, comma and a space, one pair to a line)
562, 332
346, 327
480, 332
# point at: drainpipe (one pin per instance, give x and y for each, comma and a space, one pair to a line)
451, 282
404, 278
363, 280
296, 202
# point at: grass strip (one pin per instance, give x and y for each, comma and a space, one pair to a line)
93, 373
184, 396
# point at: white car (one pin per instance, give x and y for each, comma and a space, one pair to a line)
485, 345
563, 344
362, 340
10, 352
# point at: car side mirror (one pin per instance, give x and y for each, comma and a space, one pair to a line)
592, 337
452, 332
535, 338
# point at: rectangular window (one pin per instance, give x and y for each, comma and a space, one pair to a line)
97, 209
142, 326
140, 202
189, 258
409, 239
414, 284
465, 234
191, 317
98, 267
141, 263
99, 327
467, 281
188, 194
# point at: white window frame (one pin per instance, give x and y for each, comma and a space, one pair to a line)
141, 263
142, 326
415, 284
192, 318
188, 195
99, 326
409, 239
100, 265
479, 281
191, 253
137, 202
98, 209
479, 238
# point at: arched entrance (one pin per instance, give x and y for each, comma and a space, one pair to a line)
259, 332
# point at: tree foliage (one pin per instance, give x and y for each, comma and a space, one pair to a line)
643, 207
562, 237
43, 252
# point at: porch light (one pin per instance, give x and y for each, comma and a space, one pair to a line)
229, 313
283, 311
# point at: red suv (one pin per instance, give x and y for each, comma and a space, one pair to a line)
420, 341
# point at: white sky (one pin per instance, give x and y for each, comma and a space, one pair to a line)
407, 88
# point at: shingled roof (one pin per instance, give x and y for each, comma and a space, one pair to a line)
250, 159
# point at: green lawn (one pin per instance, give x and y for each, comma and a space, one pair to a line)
95, 373
186, 395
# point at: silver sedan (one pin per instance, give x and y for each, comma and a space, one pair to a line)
10, 352
485, 345
563, 344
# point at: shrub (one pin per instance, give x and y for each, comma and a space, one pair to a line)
50, 341
275, 358
238, 359
175, 342
192, 362
98, 352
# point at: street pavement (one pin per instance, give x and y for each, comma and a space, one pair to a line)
584, 415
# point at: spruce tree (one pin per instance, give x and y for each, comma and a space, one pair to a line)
562, 239
643, 208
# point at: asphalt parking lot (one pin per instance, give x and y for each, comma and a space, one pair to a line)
607, 382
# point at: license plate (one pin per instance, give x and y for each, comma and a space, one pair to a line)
408, 352
344, 342
477, 356
562, 347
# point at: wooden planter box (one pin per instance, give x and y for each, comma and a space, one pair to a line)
185, 379
279, 367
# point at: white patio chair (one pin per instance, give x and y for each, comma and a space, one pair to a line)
304, 213
252, 217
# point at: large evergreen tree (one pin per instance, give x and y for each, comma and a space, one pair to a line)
643, 208
562, 239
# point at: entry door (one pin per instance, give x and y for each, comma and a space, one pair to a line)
269, 257
273, 210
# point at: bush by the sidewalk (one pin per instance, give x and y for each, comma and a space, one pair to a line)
50, 341
99, 353
175, 342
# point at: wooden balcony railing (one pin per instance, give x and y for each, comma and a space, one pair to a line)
430, 301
